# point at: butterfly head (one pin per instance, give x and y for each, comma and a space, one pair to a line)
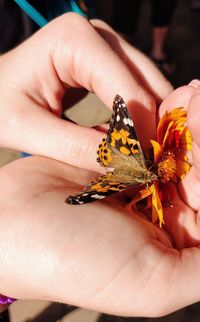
150, 176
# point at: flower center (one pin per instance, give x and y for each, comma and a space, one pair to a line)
167, 166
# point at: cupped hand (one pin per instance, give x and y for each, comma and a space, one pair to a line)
72, 52
94, 255
182, 220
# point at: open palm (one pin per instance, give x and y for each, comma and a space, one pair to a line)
94, 255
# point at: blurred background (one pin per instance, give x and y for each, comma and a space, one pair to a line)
169, 33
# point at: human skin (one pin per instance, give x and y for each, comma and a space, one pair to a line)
72, 52
184, 225
98, 255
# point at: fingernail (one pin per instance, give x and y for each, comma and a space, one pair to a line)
195, 83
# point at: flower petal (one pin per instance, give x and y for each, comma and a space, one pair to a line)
153, 202
157, 150
182, 168
142, 194
174, 115
157, 209
175, 137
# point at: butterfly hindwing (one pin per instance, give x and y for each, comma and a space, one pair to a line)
121, 141
99, 188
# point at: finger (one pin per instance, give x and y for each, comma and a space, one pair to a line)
70, 60
107, 77
40, 132
185, 97
178, 98
191, 184
194, 114
143, 69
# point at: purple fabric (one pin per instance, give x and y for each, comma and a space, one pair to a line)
6, 300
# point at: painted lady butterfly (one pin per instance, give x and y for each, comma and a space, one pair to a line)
120, 150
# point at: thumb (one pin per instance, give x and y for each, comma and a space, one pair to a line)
191, 183
194, 115
38, 131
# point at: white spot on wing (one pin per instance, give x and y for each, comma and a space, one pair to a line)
118, 118
97, 196
127, 121
79, 201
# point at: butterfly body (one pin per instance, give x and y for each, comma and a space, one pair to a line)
134, 176
121, 151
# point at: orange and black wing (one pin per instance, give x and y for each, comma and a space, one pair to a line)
120, 150
121, 140
99, 188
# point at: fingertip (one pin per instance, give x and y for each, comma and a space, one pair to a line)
194, 115
194, 83
180, 97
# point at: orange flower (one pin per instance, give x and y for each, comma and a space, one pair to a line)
170, 160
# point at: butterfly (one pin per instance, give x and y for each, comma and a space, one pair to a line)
121, 151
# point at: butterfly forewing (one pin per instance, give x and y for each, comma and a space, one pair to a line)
121, 142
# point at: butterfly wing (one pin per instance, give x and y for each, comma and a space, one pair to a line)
121, 144
120, 150
99, 188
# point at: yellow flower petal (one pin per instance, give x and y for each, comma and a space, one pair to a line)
155, 204
185, 142
175, 137
157, 209
174, 115
157, 149
182, 168
170, 157
142, 194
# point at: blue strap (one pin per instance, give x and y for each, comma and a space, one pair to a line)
32, 12
61, 7
76, 8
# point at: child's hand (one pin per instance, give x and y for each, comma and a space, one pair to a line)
95, 255
72, 52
